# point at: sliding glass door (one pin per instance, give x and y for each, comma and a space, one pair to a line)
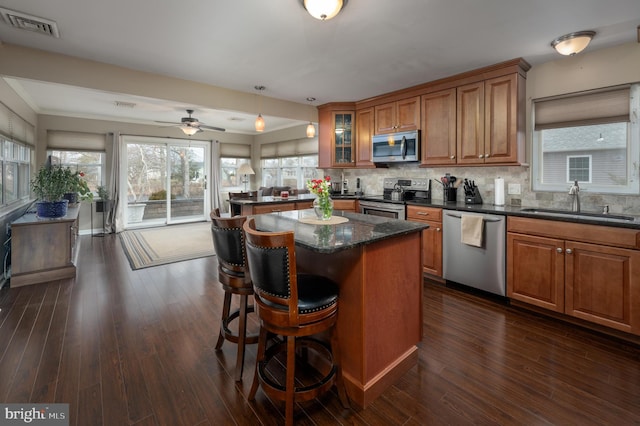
165, 182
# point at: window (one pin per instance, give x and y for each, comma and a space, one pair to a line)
91, 163
229, 179
579, 168
15, 167
590, 137
289, 171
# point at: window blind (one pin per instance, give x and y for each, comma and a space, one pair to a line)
234, 150
290, 148
76, 141
597, 107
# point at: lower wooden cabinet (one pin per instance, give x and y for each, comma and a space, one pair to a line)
585, 271
271, 208
431, 237
346, 205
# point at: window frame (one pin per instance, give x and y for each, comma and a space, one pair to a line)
20, 156
300, 169
632, 155
590, 168
78, 166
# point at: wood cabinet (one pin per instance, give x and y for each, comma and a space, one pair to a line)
336, 147
431, 237
346, 205
302, 205
586, 271
364, 133
249, 209
397, 116
43, 249
490, 121
438, 137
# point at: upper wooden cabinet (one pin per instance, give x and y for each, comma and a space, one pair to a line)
336, 135
364, 133
398, 116
488, 117
439, 128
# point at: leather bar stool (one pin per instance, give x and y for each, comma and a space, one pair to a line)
228, 240
294, 306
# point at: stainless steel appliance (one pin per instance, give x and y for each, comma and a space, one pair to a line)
396, 191
478, 267
395, 147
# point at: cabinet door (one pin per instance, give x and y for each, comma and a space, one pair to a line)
385, 118
439, 128
301, 205
346, 205
364, 133
535, 270
500, 121
470, 123
342, 138
408, 114
602, 285
432, 249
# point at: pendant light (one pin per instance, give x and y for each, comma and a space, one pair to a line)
311, 129
259, 119
323, 9
573, 43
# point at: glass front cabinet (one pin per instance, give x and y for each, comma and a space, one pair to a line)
336, 137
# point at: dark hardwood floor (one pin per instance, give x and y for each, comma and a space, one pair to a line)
129, 347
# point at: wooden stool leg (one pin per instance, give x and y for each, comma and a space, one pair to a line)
242, 335
290, 380
226, 306
262, 346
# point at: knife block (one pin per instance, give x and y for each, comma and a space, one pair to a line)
475, 198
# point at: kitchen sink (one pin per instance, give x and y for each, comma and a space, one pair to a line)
552, 212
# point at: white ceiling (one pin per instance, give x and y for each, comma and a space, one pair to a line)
372, 47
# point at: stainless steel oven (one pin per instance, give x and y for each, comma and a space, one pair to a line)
384, 209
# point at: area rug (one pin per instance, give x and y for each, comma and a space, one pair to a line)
174, 243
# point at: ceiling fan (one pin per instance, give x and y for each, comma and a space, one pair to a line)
190, 125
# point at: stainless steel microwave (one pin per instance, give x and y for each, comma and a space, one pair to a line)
396, 147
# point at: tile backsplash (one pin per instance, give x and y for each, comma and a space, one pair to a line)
371, 183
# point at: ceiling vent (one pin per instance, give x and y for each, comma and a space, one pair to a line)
123, 104
30, 23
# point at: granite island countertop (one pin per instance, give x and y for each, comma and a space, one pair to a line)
358, 229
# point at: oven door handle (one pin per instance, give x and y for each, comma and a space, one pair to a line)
484, 218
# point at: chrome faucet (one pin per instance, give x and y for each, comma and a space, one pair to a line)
575, 191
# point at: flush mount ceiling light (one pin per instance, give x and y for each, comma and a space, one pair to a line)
311, 129
323, 9
259, 119
573, 43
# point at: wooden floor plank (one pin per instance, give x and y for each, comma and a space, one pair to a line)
127, 347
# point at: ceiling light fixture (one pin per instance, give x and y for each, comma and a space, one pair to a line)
189, 130
323, 9
573, 43
311, 129
259, 119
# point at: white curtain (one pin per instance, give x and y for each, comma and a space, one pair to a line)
216, 198
115, 222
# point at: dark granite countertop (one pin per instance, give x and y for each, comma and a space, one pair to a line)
359, 230
587, 217
272, 200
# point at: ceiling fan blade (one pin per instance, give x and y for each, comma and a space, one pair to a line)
219, 129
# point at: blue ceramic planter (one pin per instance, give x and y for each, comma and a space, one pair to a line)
51, 209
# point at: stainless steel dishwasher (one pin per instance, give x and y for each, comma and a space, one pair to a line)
478, 267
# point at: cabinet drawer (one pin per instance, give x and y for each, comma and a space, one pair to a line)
424, 213
597, 234
273, 208
348, 205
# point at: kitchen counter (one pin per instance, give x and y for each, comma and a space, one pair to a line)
359, 230
377, 263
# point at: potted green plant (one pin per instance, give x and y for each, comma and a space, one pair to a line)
102, 204
50, 185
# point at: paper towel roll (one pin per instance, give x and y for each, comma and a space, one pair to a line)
499, 192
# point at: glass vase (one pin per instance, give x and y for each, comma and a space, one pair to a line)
323, 206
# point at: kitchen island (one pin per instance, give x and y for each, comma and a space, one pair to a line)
377, 263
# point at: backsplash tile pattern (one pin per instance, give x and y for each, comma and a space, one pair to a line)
371, 182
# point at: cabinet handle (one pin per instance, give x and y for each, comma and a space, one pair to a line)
486, 156
423, 213
437, 229
559, 250
480, 156
568, 251
453, 157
